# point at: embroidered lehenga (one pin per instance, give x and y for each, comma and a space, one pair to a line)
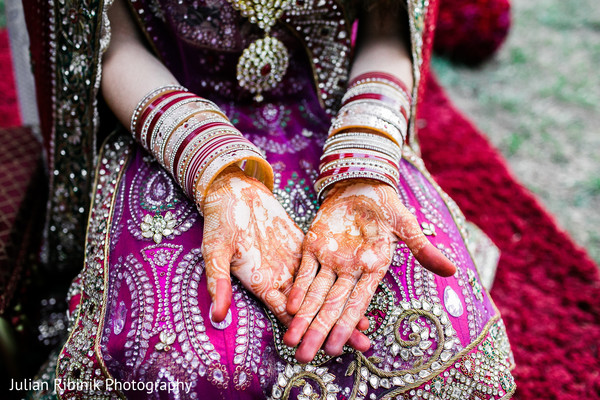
140, 307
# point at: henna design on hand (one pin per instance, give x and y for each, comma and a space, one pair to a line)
353, 239
247, 233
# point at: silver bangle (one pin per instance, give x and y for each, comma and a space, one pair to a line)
180, 134
362, 147
142, 103
367, 121
393, 117
323, 186
150, 118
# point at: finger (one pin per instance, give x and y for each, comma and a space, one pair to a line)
312, 304
311, 343
408, 230
306, 274
363, 324
328, 315
433, 259
359, 341
219, 284
275, 301
355, 309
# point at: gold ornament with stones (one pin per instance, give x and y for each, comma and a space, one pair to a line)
263, 64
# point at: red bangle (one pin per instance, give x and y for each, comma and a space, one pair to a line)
159, 113
203, 154
190, 137
153, 104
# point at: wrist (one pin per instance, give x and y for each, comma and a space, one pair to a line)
224, 177
357, 182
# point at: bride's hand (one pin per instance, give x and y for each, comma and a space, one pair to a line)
247, 233
352, 238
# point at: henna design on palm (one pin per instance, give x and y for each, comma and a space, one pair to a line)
352, 239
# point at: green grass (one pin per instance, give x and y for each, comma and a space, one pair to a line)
2, 15
538, 102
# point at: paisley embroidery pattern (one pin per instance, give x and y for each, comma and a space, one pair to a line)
157, 206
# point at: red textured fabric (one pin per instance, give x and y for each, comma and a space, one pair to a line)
470, 31
547, 288
21, 194
9, 109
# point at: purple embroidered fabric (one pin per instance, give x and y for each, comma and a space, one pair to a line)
431, 337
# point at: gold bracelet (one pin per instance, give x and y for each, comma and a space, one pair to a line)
255, 166
367, 122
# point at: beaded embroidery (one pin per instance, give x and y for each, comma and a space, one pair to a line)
71, 156
479, 371
77, 360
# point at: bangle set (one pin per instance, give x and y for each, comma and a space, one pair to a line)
194, 140
366, 137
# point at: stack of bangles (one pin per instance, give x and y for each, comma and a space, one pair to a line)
193, 139
366, 137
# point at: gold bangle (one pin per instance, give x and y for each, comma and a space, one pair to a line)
367, 122
255, 166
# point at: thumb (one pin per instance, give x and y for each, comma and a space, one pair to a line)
407, 228
219, 282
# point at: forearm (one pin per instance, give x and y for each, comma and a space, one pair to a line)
130, 70
367, 135
382, 45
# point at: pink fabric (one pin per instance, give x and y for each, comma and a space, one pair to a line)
437, 335
142, 273
9, 108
